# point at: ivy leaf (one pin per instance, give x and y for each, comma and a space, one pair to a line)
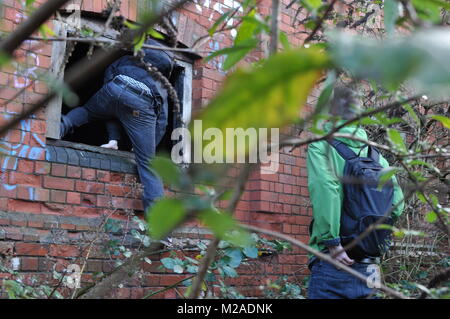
229, 271
235, 257
178, 269
164, 216
251, 252
169, 263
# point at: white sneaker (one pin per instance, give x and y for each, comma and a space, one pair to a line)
112, 145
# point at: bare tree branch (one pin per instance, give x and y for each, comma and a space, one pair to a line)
322, 256
26, 28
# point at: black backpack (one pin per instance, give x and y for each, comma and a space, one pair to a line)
364, 202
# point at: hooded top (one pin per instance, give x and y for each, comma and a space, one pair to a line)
126, 65
324, 167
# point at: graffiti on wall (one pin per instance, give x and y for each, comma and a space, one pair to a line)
11, 152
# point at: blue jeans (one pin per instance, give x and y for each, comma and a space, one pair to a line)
137, 110
327, 282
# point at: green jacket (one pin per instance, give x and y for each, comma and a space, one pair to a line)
324, 165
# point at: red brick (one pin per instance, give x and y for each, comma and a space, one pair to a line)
59, 183
103, 176
90, 187
57, 196
88, 199
88, 173
58, 170
73, 198
24, 179
117, 190
42, 168
29, 263
31, 249
73, 171
32, 193
23, 206
35, 224
64, 250
25, 166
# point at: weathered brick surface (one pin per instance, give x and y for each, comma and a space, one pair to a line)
51, 211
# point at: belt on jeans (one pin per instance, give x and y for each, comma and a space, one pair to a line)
368, 260
134, 85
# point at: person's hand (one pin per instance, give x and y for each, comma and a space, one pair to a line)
112, 144
341, 255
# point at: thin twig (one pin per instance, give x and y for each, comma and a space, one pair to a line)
322, 256
320, 22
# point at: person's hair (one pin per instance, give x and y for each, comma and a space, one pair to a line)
344, 102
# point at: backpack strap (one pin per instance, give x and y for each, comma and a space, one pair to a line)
373, 153
342, 149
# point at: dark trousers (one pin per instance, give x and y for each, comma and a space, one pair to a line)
327, 282
137, 111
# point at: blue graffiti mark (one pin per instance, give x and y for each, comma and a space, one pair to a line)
35, 153
9, 187
20, 150
23, 151
37, 139
217, 62
31, 193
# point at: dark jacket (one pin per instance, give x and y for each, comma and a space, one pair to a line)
126, 65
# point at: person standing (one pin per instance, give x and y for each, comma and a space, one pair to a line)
336, 220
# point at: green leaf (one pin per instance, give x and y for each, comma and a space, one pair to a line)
167, 170
139, 42
219, 21
443, 119
164, 216
251, 252
234, 53
245, 40
327, 90
219, 222
386, 175
45, 30
178, 269
284, 40
412, 113
391, 14
417, 58
428, 9
396, 139
274, 94
224, 227
229, 271
169, 263
431, 217
155, 34
235, 257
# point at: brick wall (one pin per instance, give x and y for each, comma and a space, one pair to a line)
54, 202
